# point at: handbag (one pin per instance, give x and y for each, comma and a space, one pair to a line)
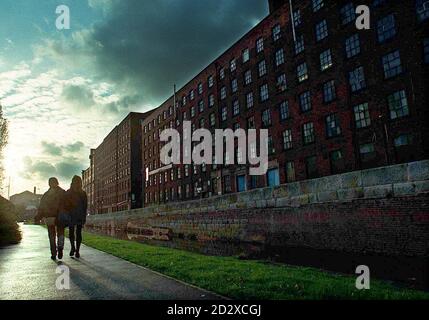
64, 219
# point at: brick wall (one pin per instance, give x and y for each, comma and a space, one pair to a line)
383, 211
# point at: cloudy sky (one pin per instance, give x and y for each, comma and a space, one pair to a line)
63, 91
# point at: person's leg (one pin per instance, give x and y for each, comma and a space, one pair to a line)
60, 231
72, 240
78, 239
52, 241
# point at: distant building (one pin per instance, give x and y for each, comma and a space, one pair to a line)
89, 183
26, 204
114, 180
26, 199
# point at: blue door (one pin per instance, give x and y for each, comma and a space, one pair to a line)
273, 177
241, 183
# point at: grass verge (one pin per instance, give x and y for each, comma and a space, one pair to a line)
239, 279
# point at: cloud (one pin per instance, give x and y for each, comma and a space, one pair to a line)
52, 149
144, 48
79, 96
43, 170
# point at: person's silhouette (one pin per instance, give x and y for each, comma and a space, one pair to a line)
49, 208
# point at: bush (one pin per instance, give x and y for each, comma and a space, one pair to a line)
9, 229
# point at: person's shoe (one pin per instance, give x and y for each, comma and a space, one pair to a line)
72, 252
60, 254
77, 254
54, 258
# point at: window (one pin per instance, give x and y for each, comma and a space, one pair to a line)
305, 101
297, 18
367, 151
271, 148
251, 123
222, 73
234, 85
227, 184
200, 88
211, 100
248, 77
321, 30
224, 113
246, 55
403, 140
284, 110
348, 13
202, 123
299, 44
287, 139
192, 95
241, 183
263, 92
281, 82
276, 32
333, 128
210, 81
273, 178
262, 68
233, 65
352, 46
426, 50
311, 167
362, 117
392, 64
201, 106
192, 112
236, 108
325, 60
280, 57
337, 161
386, 28
302, 72
329, 92
253, 182
317, 5
398, 105
308, 133
357, 79
422, 9
290, 171
259, 45
266, 118
249, 100
184, 100
212, 119
223, 93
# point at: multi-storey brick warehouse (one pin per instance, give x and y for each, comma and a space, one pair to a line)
334, 98
116, 167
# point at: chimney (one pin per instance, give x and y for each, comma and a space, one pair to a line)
276, 4
35, 192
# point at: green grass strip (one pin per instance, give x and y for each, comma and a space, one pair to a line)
241, 279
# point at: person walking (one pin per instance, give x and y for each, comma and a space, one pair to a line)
76, 204
49, 209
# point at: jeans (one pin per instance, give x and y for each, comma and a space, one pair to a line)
75, 233
54, 232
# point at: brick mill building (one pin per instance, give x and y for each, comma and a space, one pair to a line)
114, 179
334, 99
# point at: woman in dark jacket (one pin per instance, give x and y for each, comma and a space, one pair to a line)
76, 204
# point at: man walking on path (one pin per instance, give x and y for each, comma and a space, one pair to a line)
49, 209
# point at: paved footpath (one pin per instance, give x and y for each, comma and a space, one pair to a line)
27, 272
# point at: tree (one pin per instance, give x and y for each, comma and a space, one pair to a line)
3, 142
